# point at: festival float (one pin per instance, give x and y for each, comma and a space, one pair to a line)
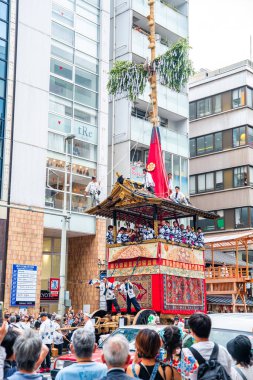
168, 277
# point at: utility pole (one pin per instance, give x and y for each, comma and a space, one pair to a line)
152, 76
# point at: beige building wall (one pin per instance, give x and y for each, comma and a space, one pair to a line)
83, 255
25, 244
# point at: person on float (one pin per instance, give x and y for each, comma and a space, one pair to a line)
109, 235
178, 197
149, 183
200, 241
110, 296
128, 290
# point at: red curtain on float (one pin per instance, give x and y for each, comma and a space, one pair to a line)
156, 166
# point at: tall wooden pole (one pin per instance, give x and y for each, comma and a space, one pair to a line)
152, 75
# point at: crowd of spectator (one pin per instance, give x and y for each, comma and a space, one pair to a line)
159, 355
172, 233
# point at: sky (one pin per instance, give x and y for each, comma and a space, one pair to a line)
219, 32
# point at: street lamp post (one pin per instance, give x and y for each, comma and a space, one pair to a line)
65, 219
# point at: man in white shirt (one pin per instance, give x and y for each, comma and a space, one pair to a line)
149, 184
93, 189
88, 323
128, 290
178, 197
200, 326
47, 329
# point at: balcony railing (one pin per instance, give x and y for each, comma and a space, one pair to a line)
140, 44
229, 272
168, 18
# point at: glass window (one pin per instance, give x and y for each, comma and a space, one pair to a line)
217, 103
200, 145
238, 97
249, 97
4, 11
57, 245
193, 110
208, 143
209, 181
86, 62
201, 183
60, 87
239, 136
59, 123
2, 69
241, 217
221, 221
61, 106
218, 141
55, 142
63, 34
86, 79
85, 114
86, 27
168, 162
47, 244
204, 107
86, 97
85, 132
85, 150
250, 135
192, 147
87, 11
2, 88
3, 30
70, 4
3, 49
226, 101
62, 15
240, 176
1, 128
219, 180
2, 108
62, 51
184, 175
61, 69
251, 176
86, 45
192, 184
176, 170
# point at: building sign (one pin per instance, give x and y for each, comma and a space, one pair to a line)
136, 172
46, 295
24, 284
54, 285
86, 132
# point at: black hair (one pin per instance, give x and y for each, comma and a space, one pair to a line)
43, 315
200, 324
199, 228
144, 170
9, 340
172, 340
37, 324
17, 318
110, 226
177, 187
93, 177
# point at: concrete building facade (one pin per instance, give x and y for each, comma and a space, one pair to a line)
129, 126
221, 138
55, 54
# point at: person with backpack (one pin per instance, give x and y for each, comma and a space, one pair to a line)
215, 363
240, 350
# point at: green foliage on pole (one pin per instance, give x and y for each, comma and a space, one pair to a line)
172, 68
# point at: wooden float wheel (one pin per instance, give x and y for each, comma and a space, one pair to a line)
141, 317
98, 313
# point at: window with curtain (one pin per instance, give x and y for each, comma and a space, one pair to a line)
217, 103
238, 97
55, 142
201, 183
204, 107
240, 176
219, 180
218, 141
193, 111
200, 145
192, 147
209, 181
192, 184
241, 217
239, 136
250, 135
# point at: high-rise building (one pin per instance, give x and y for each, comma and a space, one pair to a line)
54, 60
129, 127
221, 138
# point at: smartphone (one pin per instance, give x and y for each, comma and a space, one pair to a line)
186, 324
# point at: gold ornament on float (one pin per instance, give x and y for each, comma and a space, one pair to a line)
151, 167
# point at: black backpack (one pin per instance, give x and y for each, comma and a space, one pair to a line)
210, 369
